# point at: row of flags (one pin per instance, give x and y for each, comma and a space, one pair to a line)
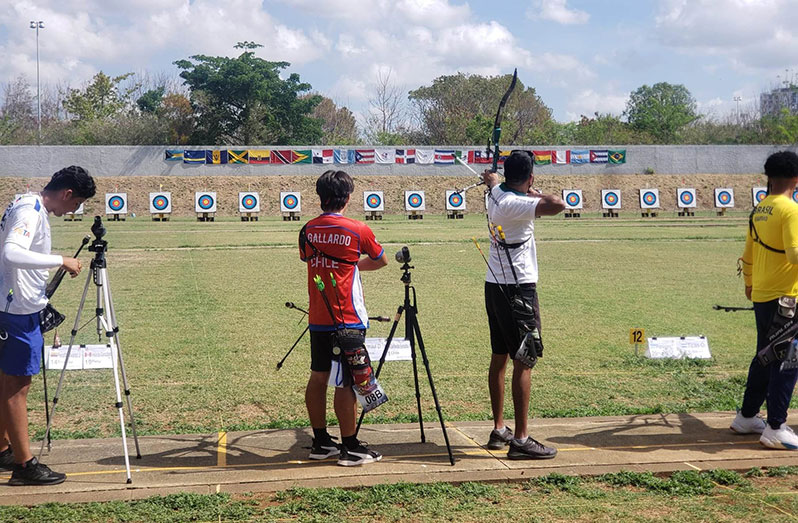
384, 156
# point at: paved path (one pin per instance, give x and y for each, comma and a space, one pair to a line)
271, 460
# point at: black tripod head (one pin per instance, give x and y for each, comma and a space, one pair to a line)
98, 245
403, 257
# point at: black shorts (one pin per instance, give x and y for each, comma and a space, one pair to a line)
504, 335
321, 346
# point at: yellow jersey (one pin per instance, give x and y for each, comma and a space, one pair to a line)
775, 221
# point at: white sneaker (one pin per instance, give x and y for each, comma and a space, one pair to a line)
743, 425
784, 438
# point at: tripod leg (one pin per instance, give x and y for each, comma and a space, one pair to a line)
115, 327
432, 386
410, 335
46, 400
382, 358
280, 364
109, 332
66, 361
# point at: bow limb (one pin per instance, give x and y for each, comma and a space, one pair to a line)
497, 124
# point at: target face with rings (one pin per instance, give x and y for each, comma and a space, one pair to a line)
572, 198
205, 201
455, 201
649, 198
414, 201
160, 202
248, 202
116, 203
758, 194
795, 195
686, 197
373, 201
724, 198
290, 201
610, 198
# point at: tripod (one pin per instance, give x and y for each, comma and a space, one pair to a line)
106, 323
413, 335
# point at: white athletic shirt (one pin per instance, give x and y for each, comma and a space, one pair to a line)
25, 255
515, 212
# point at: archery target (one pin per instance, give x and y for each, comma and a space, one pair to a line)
455, 201
724, 197
649, 198
572, 198
205, 201
610, 199
373, 201
248, 202
290, 201
116, 203
414, 201
795, 196
685, 198
160, 203
759, 193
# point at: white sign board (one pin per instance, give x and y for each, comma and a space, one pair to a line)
678, 348
82, 357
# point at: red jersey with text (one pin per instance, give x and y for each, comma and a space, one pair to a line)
345, 239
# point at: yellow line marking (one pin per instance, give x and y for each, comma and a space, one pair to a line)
693, 467
221, 449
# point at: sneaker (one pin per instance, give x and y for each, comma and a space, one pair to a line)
323, 449
743, 425
7, 459
530, 449
499, 438
35, 473
783, 438
360, 455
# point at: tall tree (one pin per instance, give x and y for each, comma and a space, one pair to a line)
387, 118
338, 124
243, 100
102, 98
459, 109
661, 110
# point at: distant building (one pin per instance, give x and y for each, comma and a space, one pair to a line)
783, 98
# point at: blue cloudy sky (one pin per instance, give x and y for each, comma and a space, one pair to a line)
582, 56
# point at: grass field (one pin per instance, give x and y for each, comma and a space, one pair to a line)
203, 322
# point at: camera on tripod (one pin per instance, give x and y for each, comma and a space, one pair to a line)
403, 255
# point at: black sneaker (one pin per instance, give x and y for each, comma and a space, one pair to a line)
7, 459
323, 449
35, 473
530, 449
360, 455
499, 438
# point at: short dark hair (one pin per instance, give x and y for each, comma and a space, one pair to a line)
75, 178
518, 167
783, 164
333, 188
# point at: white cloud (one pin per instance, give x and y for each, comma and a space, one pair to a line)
557, 11
588, 101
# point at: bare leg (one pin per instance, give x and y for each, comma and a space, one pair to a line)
498, 364
14, 413
316, 399
346, 410
521, 387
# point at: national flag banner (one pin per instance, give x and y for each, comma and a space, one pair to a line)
322, 156
425, 156
238, 156
600, 156
194, 156
479, 156
503, 155
405, 156
173, 155
385, 155
580, 156
282, 156
463, 155
260, 156
215, 157
561, 157
618, 156
444, 156
542, 157
302, 156
341, 156
364, 155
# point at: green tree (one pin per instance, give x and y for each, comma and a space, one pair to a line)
338, 124
151, 100
460, 109
104, 97
243, 100
661, 110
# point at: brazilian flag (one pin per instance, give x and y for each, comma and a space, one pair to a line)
617, 156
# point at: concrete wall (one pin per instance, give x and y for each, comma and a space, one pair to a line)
43, 161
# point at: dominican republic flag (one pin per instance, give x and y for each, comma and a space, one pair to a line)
405, 156
599, 156
364, 156
444, 156
561, 157
580, 156
341, 156
322, 156
479, 156
385, 155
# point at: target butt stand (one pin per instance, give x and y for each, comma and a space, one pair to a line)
206, 216
685, 212
374, 215
648, 213
106, 325
454, 215
291, 216
415, 215
249, 216
573, 213
413, 335
160, 217
722, 211
610, 213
